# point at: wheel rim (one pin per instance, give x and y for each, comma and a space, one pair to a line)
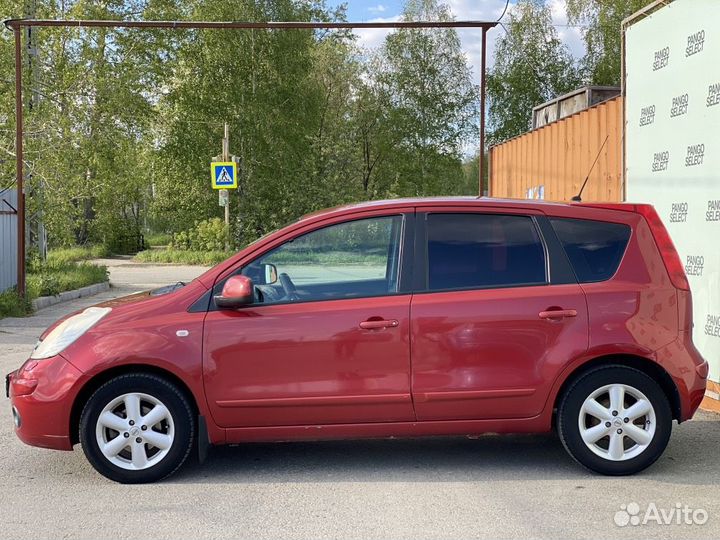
135, 431
617, 422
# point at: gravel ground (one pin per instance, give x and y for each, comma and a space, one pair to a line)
490, 487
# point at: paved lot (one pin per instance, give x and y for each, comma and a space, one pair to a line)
491, 487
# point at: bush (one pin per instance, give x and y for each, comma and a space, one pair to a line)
208, 235
176, 256
43, 284
181, 241
125, 243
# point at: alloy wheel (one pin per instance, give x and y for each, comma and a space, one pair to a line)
617, 422
135, 431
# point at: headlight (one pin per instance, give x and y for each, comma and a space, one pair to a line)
67, 332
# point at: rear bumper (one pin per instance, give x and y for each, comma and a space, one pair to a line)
41, 395
689, 371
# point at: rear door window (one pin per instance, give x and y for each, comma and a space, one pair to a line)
468, 251
595, 248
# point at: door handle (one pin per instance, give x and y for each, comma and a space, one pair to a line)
557, 313
381, 323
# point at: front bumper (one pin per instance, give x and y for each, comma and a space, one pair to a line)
41, 395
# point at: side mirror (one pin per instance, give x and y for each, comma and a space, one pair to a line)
238, 291
271, 274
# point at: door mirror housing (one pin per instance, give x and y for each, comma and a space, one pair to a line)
237, 292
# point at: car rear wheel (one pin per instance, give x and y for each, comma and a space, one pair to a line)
615, 420
137, 428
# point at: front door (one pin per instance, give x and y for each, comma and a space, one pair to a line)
327, 343
491, 330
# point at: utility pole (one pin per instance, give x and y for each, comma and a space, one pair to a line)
224, 193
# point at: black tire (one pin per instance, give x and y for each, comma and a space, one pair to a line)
572, 402
180, 410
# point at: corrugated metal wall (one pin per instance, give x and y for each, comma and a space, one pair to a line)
8, 239
551, 162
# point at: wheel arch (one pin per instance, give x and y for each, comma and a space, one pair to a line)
97, 380
647, 366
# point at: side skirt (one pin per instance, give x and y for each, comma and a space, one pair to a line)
536, 424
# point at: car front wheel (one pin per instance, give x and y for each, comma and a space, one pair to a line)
615, 420
137, 428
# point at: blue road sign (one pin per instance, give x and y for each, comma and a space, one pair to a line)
223, 175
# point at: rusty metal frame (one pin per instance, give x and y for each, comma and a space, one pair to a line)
16, 25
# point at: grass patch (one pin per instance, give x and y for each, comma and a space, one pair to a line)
63, 256
158, 239
50, 280
177, 256
11, 305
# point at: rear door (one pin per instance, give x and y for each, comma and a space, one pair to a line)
496, 314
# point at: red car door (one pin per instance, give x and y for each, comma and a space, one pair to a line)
491, 325
327, 343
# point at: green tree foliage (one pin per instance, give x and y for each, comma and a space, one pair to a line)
266, 86
531, 66
87, 116
602, 34
8, 9
424, 87
325, 125
121, 124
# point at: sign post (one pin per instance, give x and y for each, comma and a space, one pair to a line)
223, 175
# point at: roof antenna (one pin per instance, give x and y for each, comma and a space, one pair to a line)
578, 197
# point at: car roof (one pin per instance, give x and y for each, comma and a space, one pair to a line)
436, 201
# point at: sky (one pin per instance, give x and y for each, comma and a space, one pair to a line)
487, 10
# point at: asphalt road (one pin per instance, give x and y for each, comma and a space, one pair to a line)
490, 487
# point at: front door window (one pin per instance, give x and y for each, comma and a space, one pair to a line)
349, 260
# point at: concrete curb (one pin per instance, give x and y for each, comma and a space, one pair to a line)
46, 301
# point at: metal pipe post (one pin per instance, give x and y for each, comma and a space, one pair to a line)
19, 164
481, 156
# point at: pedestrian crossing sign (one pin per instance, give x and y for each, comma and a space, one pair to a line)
223, 175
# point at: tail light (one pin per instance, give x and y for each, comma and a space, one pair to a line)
669, 254
667, 248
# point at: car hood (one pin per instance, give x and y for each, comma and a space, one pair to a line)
143, 303
140, 296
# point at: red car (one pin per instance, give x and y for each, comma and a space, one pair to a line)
446, 316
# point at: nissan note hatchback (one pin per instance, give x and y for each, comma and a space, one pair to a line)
401, 318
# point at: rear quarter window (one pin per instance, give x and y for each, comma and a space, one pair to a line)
595, 248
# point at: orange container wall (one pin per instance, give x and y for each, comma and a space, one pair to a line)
551, 162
